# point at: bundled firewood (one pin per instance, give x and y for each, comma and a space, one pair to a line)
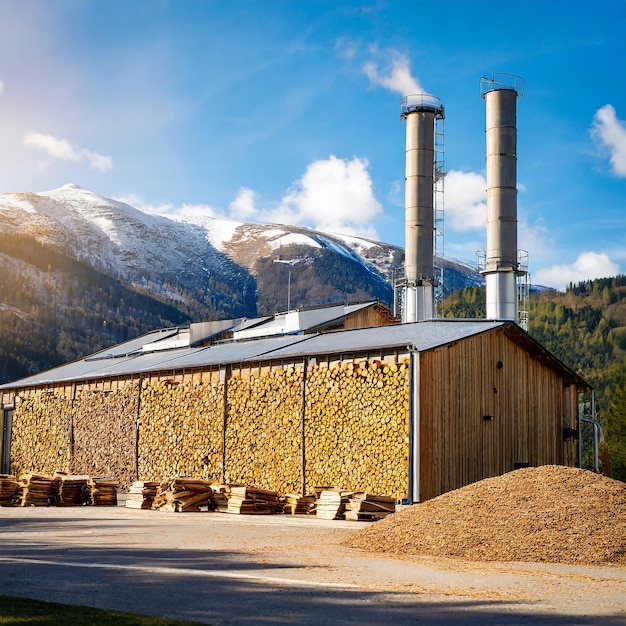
252, 501
72, 489
141, 495
331, 503
184, 494
104, 491
36, 490
296, 504
8, 487
364, 506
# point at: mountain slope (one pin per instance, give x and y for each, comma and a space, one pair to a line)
79, 271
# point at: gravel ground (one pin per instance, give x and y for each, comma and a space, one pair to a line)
272, 570
548, 514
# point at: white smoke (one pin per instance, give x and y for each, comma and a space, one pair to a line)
395, 75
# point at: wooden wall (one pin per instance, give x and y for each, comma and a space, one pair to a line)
486, 407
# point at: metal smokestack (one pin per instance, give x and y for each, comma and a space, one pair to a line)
501, 266
419, 111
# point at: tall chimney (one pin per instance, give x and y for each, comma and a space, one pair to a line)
419, 111
501, 266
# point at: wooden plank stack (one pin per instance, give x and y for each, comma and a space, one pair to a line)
72, 489
8, 488
36, 490
104, 491
183, 495
295, 504
331, 503
141, 494
364, 506
221, 493
252, 501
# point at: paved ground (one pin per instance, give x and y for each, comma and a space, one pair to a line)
228, 569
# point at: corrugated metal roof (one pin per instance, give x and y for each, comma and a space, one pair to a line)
418, 336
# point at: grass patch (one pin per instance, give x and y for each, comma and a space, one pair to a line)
18, 611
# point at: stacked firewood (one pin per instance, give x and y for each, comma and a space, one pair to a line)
264, 430
369, 507
356, 427
8, 487
104, 431
104, 491
184, 494
252, 501
181, 430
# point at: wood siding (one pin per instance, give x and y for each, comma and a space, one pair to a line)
487, 406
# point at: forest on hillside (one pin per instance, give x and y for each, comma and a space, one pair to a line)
585, 328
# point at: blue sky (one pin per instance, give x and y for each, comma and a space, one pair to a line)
278, 111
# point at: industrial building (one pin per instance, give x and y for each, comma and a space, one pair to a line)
343, 396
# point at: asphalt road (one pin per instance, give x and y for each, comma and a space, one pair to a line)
227, 569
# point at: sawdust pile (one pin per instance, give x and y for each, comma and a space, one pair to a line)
543, 514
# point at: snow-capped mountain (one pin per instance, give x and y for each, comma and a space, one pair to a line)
79, 271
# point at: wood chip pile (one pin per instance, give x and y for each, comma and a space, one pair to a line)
543, 514
8, 487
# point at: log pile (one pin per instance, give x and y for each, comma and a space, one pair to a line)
36, 490
105, 433
181, 430
184, 495
369, 507
141, 494
71, 489
357, 428
41, 434
8, 488
263, 430
252, 501
104, 491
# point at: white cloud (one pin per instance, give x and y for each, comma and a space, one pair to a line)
333, 195
63, 150
587, 266
611, 133
243, 207
396, 74
167, 209
1, 87
465, 201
